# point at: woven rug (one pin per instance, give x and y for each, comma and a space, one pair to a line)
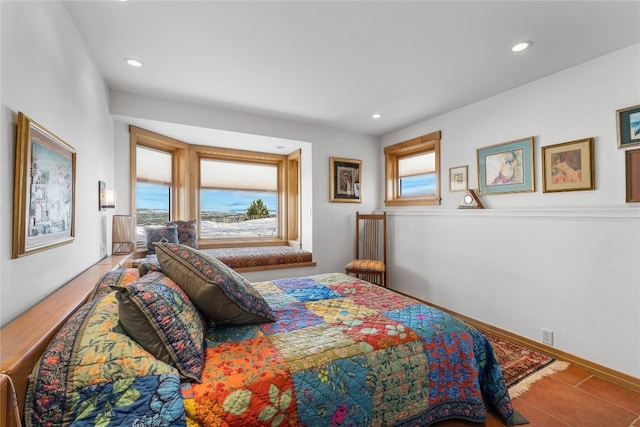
521, 366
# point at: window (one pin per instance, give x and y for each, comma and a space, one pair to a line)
412, 171
153, 186
239, 197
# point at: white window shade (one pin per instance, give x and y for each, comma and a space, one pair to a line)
153, 166
419, 164
225, 175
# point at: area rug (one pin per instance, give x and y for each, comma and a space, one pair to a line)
521, 366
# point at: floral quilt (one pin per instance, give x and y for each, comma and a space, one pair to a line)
342, 352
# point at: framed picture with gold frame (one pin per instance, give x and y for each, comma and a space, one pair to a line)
632, 160
44, 190
345, 180
568, 166
506, 167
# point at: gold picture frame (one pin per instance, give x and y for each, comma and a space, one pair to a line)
44, 190
568, 166
506, 167
345, 180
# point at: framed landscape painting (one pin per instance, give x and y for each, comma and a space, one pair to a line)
345, 180
506, 168
44, 191
568, 166
628, 126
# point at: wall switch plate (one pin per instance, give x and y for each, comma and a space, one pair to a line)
547, 336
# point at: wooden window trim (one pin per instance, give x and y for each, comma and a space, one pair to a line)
186, 184
420, 145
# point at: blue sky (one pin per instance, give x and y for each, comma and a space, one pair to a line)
156, 197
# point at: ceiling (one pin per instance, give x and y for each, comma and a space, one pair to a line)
335, 63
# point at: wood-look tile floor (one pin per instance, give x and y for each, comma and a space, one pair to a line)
572, 397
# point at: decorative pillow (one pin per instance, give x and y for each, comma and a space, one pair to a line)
119, 276
220, 293
161, 318
166, 234
149, 264
187, 232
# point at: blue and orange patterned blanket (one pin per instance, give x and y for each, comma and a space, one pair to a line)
342, 352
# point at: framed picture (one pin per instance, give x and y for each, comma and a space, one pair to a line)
632, 158
458, 178
506, 168
44, 190
628, 126
568, 166
345, 180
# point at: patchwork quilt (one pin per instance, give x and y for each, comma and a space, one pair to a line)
342, 352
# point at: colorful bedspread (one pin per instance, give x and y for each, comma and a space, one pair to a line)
342, 352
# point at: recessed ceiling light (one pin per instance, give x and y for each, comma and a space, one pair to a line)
376, 115
519, 47
133, 62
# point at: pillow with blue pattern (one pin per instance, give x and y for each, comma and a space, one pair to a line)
159, 316
162, 234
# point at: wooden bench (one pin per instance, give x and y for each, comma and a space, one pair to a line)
254, 258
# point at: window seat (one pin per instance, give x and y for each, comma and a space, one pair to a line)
253, 258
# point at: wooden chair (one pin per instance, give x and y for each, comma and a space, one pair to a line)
370, 263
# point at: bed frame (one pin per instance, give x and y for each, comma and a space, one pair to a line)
23, 341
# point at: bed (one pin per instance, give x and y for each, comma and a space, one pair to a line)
322, 350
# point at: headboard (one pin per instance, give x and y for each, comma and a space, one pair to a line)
23, 340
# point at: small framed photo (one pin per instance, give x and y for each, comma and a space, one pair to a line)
632, 159
44, 191
345, 180
628, 126
459, 178
568, 166
506, 168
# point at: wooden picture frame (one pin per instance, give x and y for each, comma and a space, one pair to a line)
632, 172
459, 178
568, 166
506, 167
44, 190
628, 120
345, 180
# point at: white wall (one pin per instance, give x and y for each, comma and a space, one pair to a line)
563, 261
48, 74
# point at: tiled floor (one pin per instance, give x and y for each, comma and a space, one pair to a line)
575, 398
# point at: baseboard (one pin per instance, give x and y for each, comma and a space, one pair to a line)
617, 377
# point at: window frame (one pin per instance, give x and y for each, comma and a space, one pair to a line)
216, 153
185, 188
393, 153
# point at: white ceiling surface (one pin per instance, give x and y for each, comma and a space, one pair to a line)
335, 63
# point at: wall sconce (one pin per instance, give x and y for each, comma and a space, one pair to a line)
106, 198
124, 234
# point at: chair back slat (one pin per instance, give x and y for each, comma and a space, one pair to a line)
370, 239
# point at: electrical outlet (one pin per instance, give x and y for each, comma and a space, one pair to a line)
547, 336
